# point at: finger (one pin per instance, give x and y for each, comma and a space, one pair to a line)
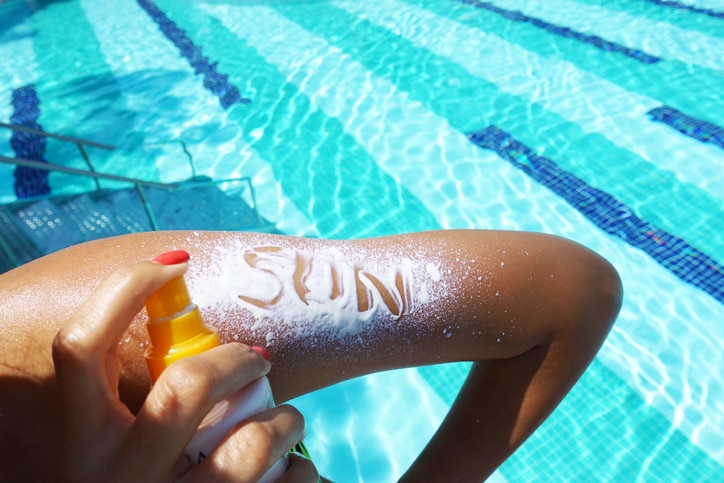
84, 349
253, 448
301, 470
182, 396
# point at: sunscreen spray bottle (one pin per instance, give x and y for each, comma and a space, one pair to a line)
176, 330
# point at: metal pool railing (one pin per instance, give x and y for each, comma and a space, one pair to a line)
80, 143
227, 197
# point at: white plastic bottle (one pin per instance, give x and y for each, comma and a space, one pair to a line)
252, 399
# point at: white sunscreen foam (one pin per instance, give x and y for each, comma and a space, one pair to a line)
309, 292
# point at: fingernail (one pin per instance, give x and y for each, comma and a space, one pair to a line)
262, 352
173, 257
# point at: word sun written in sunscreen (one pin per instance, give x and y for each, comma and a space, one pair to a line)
313, 292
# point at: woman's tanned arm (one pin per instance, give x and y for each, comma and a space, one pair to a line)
530, 310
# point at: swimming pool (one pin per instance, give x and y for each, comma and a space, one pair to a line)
598, 121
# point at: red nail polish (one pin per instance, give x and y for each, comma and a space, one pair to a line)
173, 257
262, 352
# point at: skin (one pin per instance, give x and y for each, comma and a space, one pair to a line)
530, 310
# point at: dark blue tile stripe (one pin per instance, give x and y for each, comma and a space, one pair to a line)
26, 110
594, 40
690, 8
703, 131
685, 261
213, 80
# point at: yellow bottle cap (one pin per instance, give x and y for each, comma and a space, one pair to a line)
175, 327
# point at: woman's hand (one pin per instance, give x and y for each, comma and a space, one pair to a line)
104, 441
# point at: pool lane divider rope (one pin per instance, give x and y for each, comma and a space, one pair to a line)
593, 40
673, 253
29, 182
690, 8
214, 81
703, 131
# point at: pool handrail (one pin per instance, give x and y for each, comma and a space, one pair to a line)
31, 163
70, 139
138, 183
80, 143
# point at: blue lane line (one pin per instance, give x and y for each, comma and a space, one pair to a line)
703, 131
675, 254
690, 8
594, 40
213, 80
29, 182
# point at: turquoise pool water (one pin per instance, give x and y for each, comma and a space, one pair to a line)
598, 121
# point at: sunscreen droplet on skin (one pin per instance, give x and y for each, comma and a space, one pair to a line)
433, 272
